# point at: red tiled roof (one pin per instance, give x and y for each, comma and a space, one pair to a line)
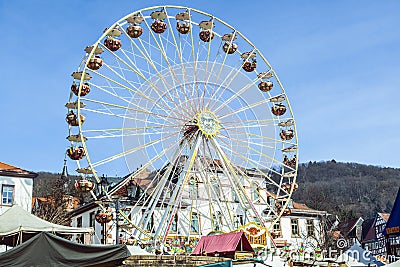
301, 206
9, 170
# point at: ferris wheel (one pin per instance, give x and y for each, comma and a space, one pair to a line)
184, 106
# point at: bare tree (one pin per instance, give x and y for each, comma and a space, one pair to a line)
52, 201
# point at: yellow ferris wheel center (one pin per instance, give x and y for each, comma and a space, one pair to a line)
208, 123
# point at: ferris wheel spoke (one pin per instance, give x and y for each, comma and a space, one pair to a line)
166, 59
243, 108
150, 63
110, 113
254, 163
153, 199
143, 196
146, 165
206, 83
177, 193
133, 103
241, 191
247, 142
193, 114
208, 74
225, 199
250, 126
260, 136
167, 85
254, 121
153, 101
193, 55
245, 145
127, 134
232, 178
221, 68
130, 151
236, 95
250, 182
139, 129
179, 53
223, 88
142, 76
166, 117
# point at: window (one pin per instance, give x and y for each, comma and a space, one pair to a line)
217, 221
193, 187
295, 227
235, 196
122, 219
310, 228
79, 221
174, 225
255, 192
7, 194
277, 230
277, 226
255, 219
271, 201
215, 187
79, 237
195, 225
92, 219
237, 221
148, 221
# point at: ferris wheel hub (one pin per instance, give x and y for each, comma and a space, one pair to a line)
208, 123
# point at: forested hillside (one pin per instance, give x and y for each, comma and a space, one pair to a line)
347, 189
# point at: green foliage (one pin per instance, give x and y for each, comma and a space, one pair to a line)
347, 189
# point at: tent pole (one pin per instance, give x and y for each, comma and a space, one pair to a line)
104, 234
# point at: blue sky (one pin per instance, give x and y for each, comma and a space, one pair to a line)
338, 61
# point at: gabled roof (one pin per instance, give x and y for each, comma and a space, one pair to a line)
369, 231
366, 226
347, 227
371, 234
12, 171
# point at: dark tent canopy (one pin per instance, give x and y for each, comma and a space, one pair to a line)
223, 245
393, 223
46, 249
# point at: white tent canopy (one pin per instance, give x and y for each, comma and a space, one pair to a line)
394, 264
356, 256
17, 220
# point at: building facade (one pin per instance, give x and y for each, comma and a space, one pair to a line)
16, 187
375, 241
302, 226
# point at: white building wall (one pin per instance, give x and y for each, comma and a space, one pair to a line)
22, 195
293, 241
